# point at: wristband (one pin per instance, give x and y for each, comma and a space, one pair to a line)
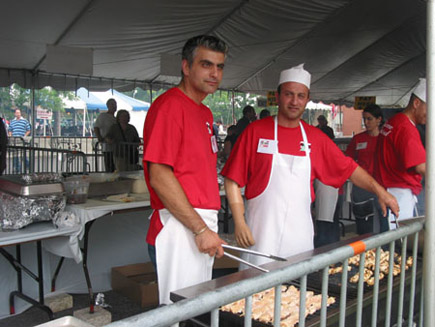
200, 231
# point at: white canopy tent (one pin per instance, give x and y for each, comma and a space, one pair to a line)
360, 47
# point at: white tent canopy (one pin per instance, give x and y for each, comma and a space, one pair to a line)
352, 48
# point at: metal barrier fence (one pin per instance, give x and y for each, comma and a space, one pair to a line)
123, 155
90, 147
26, 159
350, 313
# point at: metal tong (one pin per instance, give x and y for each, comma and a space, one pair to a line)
270, 256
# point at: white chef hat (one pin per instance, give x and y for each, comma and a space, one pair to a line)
296, 74
420, 89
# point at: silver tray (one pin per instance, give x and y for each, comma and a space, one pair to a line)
16, 185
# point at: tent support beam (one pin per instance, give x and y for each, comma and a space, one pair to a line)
429, 237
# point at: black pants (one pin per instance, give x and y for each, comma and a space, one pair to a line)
109, 164
328, 232
373, 221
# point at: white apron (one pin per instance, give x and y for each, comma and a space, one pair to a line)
406, 201
280, 217
179, 262
326, 201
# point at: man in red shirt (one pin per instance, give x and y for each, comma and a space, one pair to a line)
401, 157
279, 175
180, 171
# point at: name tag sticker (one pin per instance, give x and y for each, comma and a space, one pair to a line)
267, 146
361, 146
214, 146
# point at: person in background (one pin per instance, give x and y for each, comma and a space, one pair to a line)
249, 116
401, 160
325, 205
180, 157
277, 158
125, 140
3, 146
104, 121
229, 141
264, 113
323, 125
362, 148
19, 126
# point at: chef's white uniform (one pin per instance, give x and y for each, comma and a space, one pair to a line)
280, 217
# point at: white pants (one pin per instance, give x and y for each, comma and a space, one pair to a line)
406, 201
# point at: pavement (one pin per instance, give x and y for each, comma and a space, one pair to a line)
119, 306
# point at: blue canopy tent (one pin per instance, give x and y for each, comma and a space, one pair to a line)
92, 102
136, 105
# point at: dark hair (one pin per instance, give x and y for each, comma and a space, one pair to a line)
248, 109
207, 41
375, 111
110, 100
264, 113
120, 112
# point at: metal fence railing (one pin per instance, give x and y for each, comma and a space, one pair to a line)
95, 153
26, 159
400, 299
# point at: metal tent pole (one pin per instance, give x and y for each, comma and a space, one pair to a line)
429, 239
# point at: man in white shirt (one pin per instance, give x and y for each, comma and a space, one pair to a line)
101, 127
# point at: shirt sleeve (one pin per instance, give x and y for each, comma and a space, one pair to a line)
410, 148
163, 134
237, 166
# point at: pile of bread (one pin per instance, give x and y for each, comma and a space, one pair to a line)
263, 305
370, 265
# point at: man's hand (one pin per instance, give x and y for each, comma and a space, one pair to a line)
243, 235
210, 242
387, 200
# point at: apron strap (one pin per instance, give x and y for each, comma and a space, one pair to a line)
304, 136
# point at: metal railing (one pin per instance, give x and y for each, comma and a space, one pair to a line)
26, 159
350, 312
88, 146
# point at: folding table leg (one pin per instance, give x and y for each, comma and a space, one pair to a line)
19, 268
85, 264
56, 273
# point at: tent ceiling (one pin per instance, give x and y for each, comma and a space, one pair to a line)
351, 47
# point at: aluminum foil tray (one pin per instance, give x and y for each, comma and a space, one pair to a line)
32, 184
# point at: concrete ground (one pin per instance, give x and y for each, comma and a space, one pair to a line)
120, 307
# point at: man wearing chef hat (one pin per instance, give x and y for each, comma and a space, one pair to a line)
277, 158
401, 163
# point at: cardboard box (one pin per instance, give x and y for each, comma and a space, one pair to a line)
138, 282
225, 262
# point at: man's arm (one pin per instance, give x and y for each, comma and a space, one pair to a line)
242, 232
362, 179
421, 169
170, 192
98, 134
